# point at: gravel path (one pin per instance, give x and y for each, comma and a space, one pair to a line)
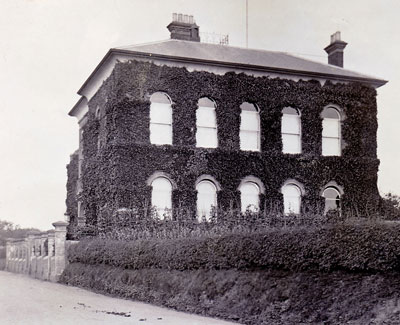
28, 301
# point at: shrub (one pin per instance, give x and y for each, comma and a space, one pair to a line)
261, 297
364, 246
133, 224
391, 206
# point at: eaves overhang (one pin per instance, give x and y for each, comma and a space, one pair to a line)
249, 67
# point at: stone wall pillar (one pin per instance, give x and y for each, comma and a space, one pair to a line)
60, 237
8, 255
51, 259
31, 252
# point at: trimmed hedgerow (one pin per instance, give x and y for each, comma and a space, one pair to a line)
255, 298
119, 157
360, 247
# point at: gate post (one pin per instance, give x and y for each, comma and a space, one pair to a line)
60, 237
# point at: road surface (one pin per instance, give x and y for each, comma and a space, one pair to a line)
24, 300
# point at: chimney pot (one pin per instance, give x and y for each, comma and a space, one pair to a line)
184, 28
335, 50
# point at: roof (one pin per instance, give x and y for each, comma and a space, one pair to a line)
247, 58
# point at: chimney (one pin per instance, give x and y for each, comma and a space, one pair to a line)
184, 27
335, 50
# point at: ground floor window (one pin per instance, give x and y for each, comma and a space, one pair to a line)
291, 199
250, 196
332, 199
206, 199
161, 196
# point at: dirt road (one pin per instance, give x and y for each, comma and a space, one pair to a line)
28, 301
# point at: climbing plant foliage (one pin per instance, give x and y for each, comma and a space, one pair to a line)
119, 159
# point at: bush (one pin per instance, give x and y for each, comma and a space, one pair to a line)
260, 297
391, 206
133, 224
366, 246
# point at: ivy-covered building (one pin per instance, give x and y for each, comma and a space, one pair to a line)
181, 124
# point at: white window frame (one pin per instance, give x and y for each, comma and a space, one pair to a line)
287, 199
251, 207
339, 194
154, 139
338, 138
199, 210
162, 211
285, 133
200, 143
246, 109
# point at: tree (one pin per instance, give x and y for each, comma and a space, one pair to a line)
391, 206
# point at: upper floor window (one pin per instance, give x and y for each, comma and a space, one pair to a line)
206, 198
249, 127
161, 196
331, 132
206, 123
160, 119
249, 196
291, 131
332, 199
291, 198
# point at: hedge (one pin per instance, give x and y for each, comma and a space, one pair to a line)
351, 246
262, 297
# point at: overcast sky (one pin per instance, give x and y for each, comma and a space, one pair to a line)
49, 47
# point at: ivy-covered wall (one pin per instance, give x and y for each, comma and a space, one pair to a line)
72, 197
118, 156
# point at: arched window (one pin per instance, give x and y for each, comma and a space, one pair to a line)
249, 127
161, 196
291, 130
291, 198
206, 123
249, 196
206, 198
160, 119
331, 133
332, 199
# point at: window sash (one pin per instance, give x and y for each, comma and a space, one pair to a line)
161, 198
291, 143
249, 197
160, 133
249, 121
330, 128
291, 204
291, 124
331, 204
249, 140
205, 203
206, 137
206, 117
160, 113
330, 146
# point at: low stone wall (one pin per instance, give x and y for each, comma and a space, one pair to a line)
40, 255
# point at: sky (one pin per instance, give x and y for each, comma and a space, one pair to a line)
48, 48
